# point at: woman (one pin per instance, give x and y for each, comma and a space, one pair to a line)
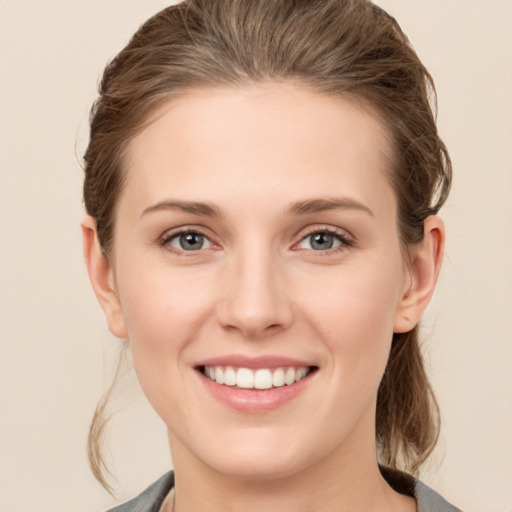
262, 185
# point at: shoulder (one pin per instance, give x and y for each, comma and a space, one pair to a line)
151, 499
428, 500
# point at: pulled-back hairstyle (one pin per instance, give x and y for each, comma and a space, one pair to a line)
348, 48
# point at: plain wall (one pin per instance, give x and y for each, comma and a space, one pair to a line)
56, 355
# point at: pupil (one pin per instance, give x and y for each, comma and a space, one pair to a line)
322, 241
191, 241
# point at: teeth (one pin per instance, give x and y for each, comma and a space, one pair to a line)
278, 378
289, 376
244, 378
219, 375
230, 376
262, 378
300, 374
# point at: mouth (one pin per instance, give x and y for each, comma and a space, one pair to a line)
256, 378
256, 384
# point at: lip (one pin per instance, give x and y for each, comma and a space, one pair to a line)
253, 363
255, 400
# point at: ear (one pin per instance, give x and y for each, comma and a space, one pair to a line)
102, 278
425, 260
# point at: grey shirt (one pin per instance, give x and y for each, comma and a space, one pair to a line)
428, 500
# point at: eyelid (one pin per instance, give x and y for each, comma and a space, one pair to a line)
347, 239
168, 235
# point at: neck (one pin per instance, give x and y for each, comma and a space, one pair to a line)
351, 483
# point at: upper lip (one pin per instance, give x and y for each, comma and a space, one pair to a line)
265, 361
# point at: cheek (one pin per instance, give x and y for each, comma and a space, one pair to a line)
163, 311
355, 297
353, 311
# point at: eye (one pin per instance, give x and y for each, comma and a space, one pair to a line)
187, 241
323, 241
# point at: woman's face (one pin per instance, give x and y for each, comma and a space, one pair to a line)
256, 242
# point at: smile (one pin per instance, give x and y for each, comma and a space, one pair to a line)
256, 384
260, 378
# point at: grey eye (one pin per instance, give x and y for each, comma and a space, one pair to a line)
190, 241
320, 241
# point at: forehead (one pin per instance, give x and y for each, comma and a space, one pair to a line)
217, 144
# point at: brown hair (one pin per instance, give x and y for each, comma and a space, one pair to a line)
335, 47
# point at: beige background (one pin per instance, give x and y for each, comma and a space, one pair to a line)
56, 354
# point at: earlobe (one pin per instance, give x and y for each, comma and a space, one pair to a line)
102, 278
424, 266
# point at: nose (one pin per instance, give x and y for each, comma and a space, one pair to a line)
255, 300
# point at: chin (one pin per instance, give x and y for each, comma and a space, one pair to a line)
258, 468
269, 458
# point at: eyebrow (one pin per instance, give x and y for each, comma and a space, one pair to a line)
194, 207
325, 204
298, 208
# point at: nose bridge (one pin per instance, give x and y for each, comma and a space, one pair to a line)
255, 302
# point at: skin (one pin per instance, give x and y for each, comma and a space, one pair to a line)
258, 287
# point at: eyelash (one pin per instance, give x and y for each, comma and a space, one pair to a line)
168, 237
345, 241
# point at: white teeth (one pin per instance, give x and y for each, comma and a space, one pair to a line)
244, 378
262, 378
289, 376
300, 374
230, 376
278, 378
219, 375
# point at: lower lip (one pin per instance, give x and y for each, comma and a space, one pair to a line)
255, 400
